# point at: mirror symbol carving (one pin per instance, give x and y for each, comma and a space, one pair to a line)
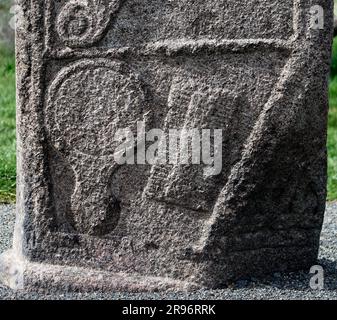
104, 96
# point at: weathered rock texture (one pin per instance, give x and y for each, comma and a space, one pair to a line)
87, 68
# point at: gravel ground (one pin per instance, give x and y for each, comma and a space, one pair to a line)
279, 286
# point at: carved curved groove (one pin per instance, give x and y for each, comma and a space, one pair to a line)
89, 144
82, 23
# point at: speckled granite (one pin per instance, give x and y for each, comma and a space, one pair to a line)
282, 286
256, 69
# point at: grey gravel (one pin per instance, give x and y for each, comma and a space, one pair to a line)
280, 286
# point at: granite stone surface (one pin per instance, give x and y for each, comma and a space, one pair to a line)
256, 69
276, 286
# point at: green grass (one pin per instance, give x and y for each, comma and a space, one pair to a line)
7, 127
332, 142
332, 130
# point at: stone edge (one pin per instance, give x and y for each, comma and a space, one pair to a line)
20, 275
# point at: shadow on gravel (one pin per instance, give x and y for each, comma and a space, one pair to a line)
299, 280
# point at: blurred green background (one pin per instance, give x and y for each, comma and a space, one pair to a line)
7, 111
332, 129
7, 126
7, 104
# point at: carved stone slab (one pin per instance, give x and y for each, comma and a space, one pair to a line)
257, 69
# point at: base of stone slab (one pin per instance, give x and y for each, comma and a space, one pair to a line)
23, 275
20, 274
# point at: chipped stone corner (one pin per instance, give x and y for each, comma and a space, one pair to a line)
12, 270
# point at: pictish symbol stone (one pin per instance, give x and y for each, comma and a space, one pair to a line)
256, 70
